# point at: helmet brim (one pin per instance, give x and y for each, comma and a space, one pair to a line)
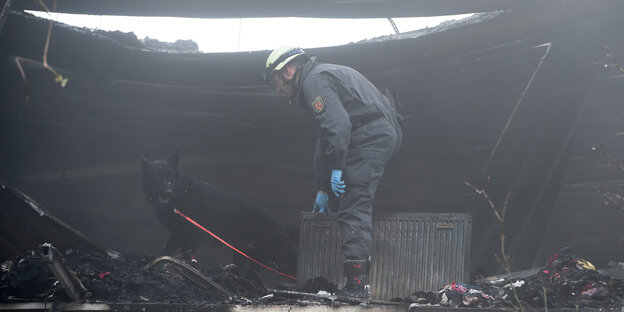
268, 74
280, 62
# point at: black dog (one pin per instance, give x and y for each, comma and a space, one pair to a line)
234, 219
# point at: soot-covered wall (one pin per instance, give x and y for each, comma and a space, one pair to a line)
517, 98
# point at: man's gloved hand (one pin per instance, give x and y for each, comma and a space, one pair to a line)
337, 185
320, 205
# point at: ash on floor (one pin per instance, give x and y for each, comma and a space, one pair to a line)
121, 280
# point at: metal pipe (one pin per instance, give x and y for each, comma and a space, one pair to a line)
191, 273
74, 288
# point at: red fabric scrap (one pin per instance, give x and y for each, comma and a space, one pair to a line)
101, 275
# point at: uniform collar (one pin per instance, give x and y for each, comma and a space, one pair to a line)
306, 68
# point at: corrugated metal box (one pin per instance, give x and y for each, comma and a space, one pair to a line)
411, 251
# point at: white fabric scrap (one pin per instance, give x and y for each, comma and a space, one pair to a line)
515, 284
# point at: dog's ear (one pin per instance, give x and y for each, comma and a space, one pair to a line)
173, 160
143, 163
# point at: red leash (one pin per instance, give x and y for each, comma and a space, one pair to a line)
225, 243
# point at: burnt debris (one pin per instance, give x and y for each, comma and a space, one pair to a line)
122, 280
564, 282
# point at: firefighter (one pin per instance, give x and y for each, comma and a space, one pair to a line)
358, 130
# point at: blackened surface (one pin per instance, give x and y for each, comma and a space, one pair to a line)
75, 149
26, 224
122, 280
26, 276
4, 12
529, 159
588, 168
314, 285
565, 282
237, 220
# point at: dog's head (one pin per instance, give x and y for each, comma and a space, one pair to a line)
160, 178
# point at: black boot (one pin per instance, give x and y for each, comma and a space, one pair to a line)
357, 286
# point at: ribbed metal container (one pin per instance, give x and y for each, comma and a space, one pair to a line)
411, 251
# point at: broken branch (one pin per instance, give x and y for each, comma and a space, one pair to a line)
610, 159
612, 198
57, 77
502, 257
610, 63
485, 195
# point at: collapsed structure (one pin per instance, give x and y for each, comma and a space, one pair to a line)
565, 282
513, 104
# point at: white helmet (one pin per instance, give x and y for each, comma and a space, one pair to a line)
278, 59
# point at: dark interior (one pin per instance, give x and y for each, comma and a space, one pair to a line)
517, 99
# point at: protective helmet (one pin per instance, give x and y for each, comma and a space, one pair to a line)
278, 59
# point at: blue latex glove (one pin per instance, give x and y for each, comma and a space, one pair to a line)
338, 186
320, 205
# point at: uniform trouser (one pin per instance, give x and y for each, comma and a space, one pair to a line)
371, 147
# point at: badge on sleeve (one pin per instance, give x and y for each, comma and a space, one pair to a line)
318, 105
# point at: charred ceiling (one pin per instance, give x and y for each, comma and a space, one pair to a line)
516, 98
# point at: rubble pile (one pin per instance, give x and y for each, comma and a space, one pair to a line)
565, 282
317, 284
27, 277
122, 280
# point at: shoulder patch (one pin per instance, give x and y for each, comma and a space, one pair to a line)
318, 105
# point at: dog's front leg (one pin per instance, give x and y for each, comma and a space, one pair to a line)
181, 246
174, 244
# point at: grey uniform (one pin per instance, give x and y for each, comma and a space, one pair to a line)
358, 132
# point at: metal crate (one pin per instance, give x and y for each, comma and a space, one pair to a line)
411, 251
